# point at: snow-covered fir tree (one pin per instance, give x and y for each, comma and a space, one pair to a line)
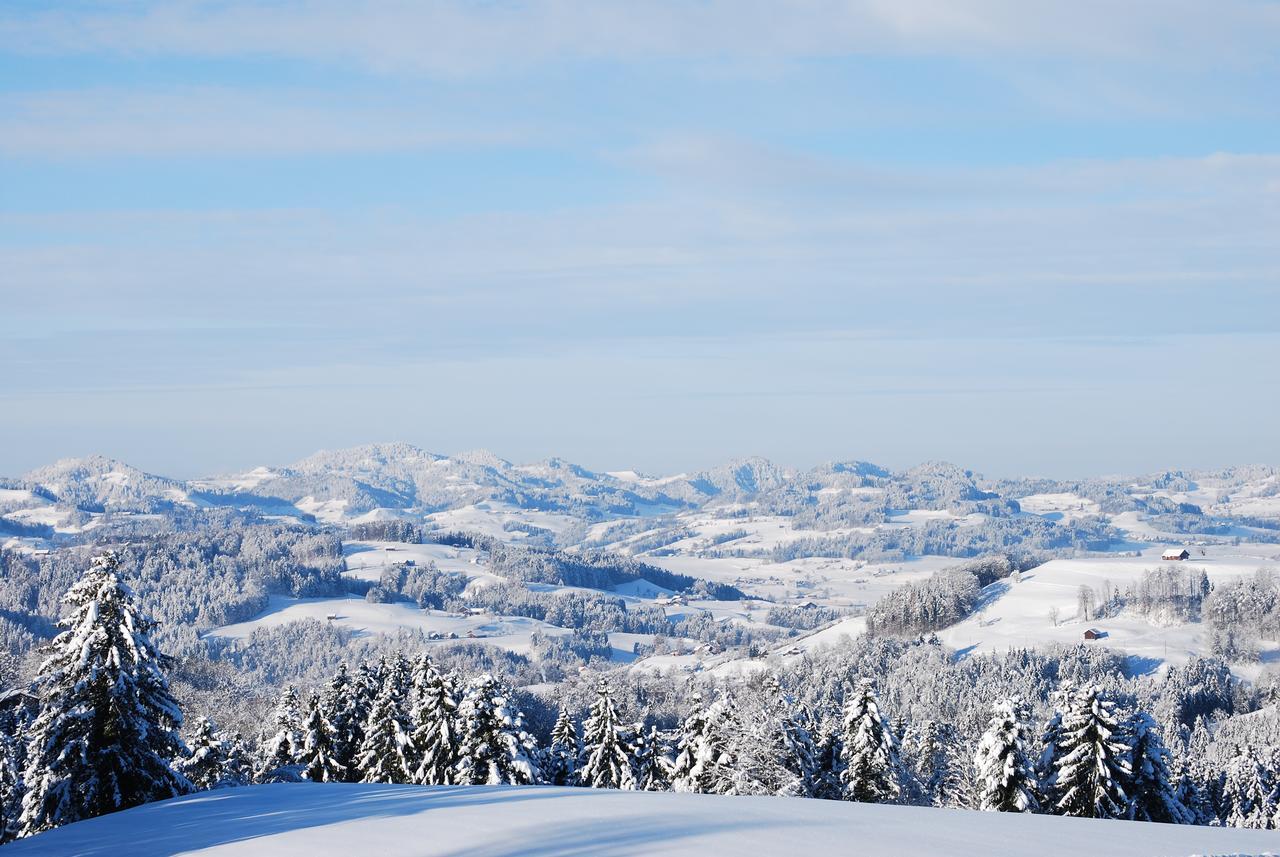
108, 726
1151, 788
10, 785
933, 758
237, 770
560, 761
690, 734
384, 754
1189, 790
493, 745
606, 760
206, 766
434, 741
653, 767
773, 753
826, 773
1051, 748
1250, 791
341, 709
704, 760
959, 785
366, 684
868, 753
398, 673
1092, 763
318, 757
1005, 777
281, 751
16, 714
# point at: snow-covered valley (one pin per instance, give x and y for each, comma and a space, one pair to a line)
839, 537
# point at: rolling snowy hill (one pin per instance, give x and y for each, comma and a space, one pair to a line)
841, 535
309, 820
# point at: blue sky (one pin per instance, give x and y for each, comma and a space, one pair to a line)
651, 235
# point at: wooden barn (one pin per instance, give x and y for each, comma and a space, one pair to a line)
1094, 634
1176, 554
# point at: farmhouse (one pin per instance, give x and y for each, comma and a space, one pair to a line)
1176, 554
1094, 634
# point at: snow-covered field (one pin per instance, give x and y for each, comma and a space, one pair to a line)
363, 617
367, 560
309, 820
1017, 612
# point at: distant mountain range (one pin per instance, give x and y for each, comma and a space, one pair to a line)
398, 479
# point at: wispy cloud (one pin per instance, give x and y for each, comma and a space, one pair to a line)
224, 121
461, 37
726, 240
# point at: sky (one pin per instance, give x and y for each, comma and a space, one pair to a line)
1029, 238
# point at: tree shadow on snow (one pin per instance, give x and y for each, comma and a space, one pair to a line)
225, 816
652, 833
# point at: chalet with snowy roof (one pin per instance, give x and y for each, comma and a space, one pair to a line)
1176, 554
1094, 634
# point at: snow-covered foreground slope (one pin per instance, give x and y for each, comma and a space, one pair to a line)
305, 820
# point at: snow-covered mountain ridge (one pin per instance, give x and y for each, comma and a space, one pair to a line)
398, 480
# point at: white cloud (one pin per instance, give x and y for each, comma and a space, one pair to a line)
220, 120
752, 244
459, 37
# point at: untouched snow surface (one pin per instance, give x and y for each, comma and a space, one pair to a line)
1015, 612
305, 820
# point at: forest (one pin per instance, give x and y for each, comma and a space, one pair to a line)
875, 720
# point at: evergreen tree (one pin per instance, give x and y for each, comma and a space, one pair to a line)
494, 748
1093, 763
1249, 791
1151, 788
280, 752
366, 684
384, 756
10, 785
398, 672
1050, 748
108, 725
206, 766
653, 768
1189, 791
704, 762
826, 776
319, 752
773, 753
937, 764
341, 709
560, 765
606, 763
16, 714
1006, 780
683, 778
238, 768
958, 787
435, 733
868, 754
